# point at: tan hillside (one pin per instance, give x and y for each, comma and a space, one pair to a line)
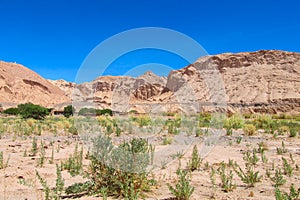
264, 81
19, 84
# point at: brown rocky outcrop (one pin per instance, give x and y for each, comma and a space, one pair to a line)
19, 84
262, 81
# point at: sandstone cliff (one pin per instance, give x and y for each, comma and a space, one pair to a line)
19, 84
262, 81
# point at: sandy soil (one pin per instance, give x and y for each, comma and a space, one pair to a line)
18, 179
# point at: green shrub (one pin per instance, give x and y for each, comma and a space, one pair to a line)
249, 129
104, 112
74, 164
68, 111
234, 122
87, 112
226, 178
294, 194
278, 178
11, 111
73, 130
182, 190
195, 162
249, 177
94, 112
120, 170
29, 110
204, 119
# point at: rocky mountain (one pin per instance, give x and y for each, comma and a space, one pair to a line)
262, 81
19, 84
65, 86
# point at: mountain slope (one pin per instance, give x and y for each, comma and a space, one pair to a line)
267, 81
19, 84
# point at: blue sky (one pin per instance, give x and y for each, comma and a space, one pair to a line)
54, 37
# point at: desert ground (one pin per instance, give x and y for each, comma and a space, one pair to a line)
48, 156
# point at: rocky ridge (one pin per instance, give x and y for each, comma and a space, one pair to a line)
262, 81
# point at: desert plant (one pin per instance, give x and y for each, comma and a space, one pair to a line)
249, 177
262, 146
293, 132
68, 111
41, 159
250, 157
195, 162
281, 150
11, 111
264, 158
122, 169
1, 160
182, 190
56, 192
118, 131
59, 184
34, 147
278, 178
29, 110
287, 167
204, 119
294, 194
234, 122
283, 130
43, 182
167, 140
239, 140
73, 130
263, 121
212, 176
226, 178
249, 129
51, 161
229, 131
74, 163
2, 163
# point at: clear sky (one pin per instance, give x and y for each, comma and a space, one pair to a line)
53, 37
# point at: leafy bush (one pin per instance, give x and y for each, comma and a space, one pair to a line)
104, 112
74, 163
120, 170
196, 160
249, 177
204, 119
29, 110
234, 122
226, 178
73, 130
294, 194
87, 112
249, 129
182, 190
69, 110
11, 111
94, 112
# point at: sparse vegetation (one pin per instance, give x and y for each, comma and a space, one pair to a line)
226, 178
120, 166
249, 129
182, 190
196, 161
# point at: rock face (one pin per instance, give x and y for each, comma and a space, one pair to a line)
262, 81
19, 84
65, 86
118, 92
